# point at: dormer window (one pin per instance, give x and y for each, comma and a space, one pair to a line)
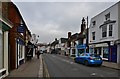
107, 17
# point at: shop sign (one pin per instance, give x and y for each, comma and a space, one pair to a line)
81, 46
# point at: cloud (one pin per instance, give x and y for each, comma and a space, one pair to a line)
52, 20
65, 0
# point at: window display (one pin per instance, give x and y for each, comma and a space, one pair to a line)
105, 52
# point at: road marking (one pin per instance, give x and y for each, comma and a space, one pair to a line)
93, 74
45, 69
40, 73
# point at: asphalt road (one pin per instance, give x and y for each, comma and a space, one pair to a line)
62, 66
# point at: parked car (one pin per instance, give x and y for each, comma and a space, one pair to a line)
89, 59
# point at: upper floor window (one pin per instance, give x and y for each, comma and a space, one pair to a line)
104, 31
107, 16
110, 29
94, 23
93, 35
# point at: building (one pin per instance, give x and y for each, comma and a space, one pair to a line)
34, 41
61, 45
17, 35
77, 42
81, 40
28, 45
5, 26
104, 34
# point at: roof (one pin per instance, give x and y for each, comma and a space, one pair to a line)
63, 40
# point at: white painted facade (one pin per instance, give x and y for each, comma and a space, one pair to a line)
100, 19
97, 28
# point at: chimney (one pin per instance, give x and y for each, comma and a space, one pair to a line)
55, 39
69, 34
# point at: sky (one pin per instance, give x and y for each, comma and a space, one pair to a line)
52, 19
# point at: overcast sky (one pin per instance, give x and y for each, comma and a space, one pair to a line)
52, 20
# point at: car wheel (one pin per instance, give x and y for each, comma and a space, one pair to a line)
86, 62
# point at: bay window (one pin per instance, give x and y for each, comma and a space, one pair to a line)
104, 31
93, 35
110, 29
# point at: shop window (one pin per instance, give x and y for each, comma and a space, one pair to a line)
20, 51
1, 50
80, 51
73, 51
99, 51
91, 50
105, 52
110, 29
104, 31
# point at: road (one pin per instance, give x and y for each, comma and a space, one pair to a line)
62, 66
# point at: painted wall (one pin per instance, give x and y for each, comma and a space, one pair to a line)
119, 20
100, 18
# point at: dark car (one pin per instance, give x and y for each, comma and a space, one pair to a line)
89, 59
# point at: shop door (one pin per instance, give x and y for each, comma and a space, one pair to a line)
113, 53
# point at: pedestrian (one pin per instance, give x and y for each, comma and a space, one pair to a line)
38, 54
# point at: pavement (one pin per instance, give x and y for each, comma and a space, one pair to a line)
32, 68
111, 65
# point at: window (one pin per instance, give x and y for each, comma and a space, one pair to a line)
20, 51
1, 50
91, 50
80, 51
110, 29
94, 23
93, 35
107, 16
104, 31
105, 52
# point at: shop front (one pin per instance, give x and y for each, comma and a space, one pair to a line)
20, 51
107, 51
80, 49
4, 28
29, 52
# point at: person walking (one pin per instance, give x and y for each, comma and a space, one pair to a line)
38, 54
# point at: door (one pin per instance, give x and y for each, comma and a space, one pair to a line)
113, 53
